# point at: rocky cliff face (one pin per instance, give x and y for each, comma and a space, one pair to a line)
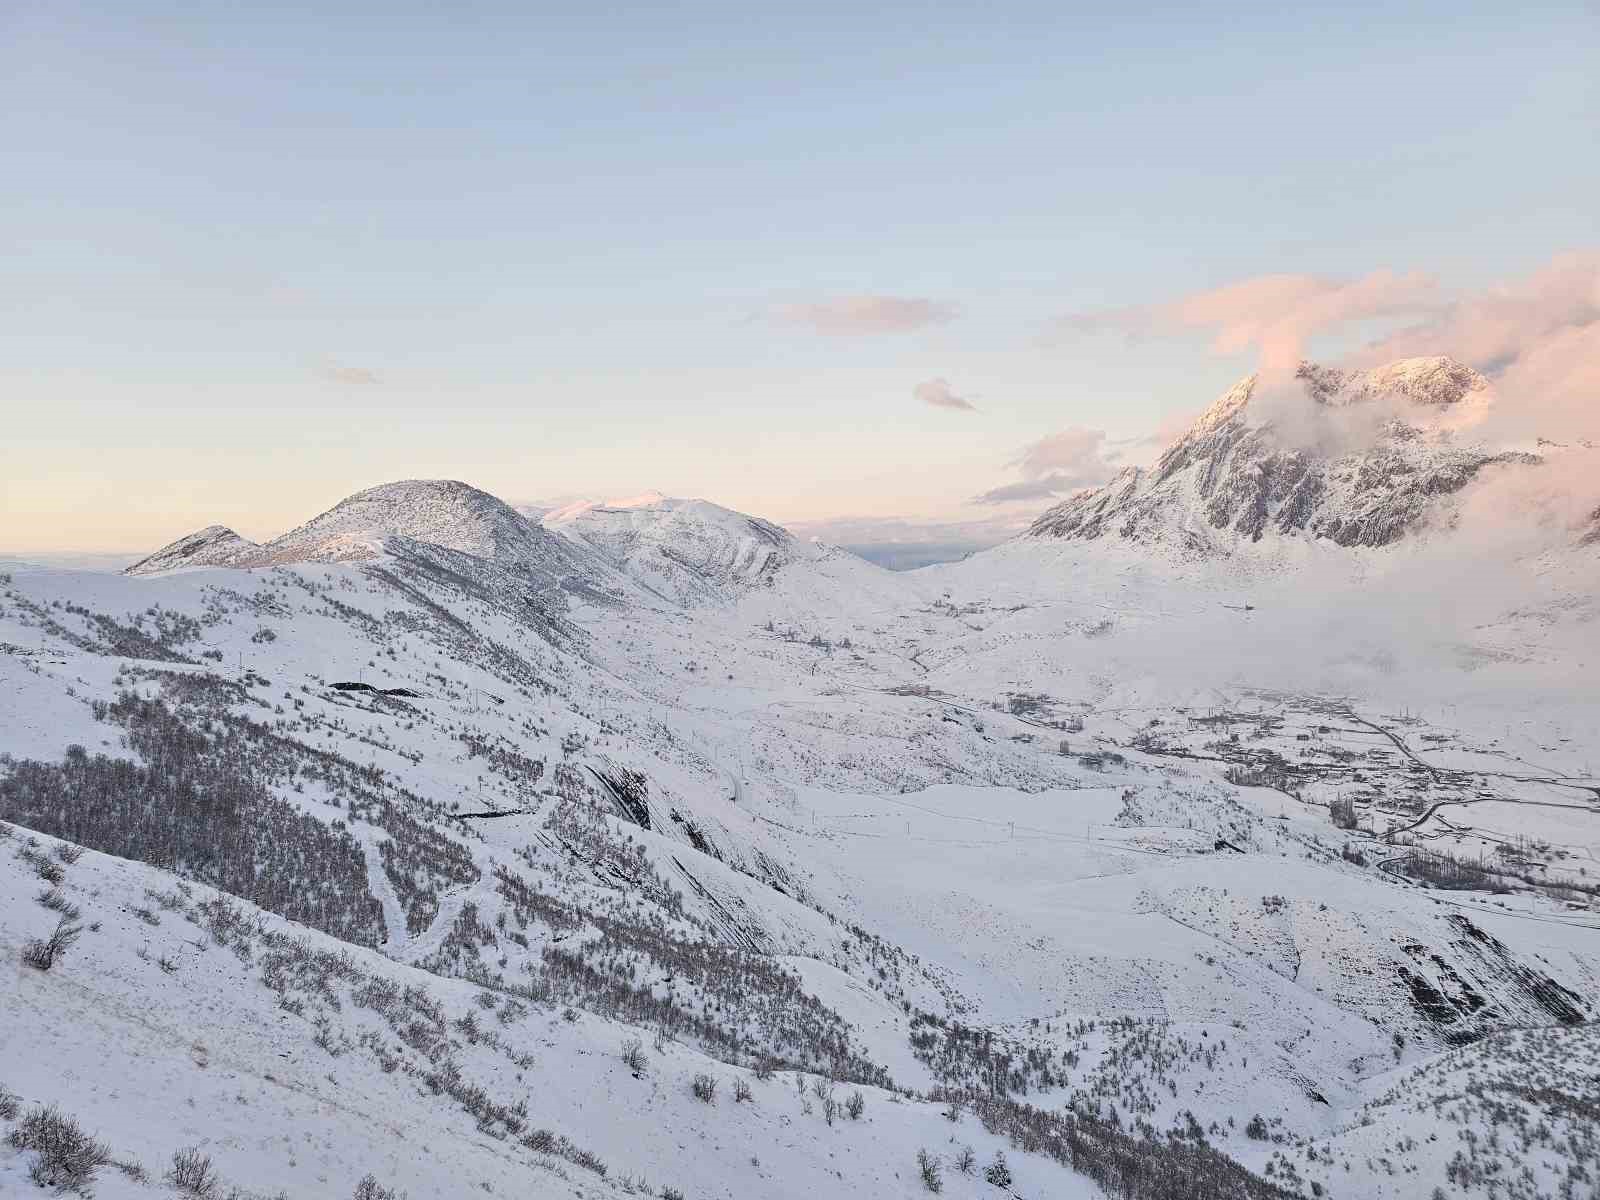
1359, 458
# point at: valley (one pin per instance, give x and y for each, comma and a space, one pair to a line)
1131, 866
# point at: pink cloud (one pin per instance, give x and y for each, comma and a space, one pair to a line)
1076, 452
1494, 328
866, 316
1537, 338
939, 394
1276, 314
1054, 465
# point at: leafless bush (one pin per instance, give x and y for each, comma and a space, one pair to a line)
928, 1169
704, 1088
966, 1160
544, 1141
10, 1105
370, 1189
42, 953
65, 1156
135, 1171
856, 1105
741, 1090
68, 853
766, 1067
49, 871
633, 1055
192, 1173
998, 1172
56, 900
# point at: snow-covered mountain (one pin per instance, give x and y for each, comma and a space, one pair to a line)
694, 552
1356, 458
437, 512
213, 546
426, 824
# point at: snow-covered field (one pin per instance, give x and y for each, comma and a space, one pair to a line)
1079, 852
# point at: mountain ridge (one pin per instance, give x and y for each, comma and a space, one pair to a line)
1361, 459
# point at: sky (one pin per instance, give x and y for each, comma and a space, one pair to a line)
902, 271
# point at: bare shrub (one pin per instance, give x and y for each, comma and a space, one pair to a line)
10, 1105
704, 1088
741, 1090
766, 1067
134, 1170
856, 1105
966, 1160
370, 1189
43, 953
633, 1055
56, 900
68, 853
928, 1169
998, 1172
545, 1141
65, 1156
192, 1173
48, 871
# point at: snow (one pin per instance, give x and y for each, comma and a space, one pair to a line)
1003, 793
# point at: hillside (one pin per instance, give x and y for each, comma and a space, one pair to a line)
1067, 850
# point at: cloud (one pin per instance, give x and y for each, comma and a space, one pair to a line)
866, 316
1537, 338
1055, 465
1495, 328
340, 373
1275, 314
1075, 453
939, 394
1045, 487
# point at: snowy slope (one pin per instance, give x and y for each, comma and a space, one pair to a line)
1055, 823
299, 1064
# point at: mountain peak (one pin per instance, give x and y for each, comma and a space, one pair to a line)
441, 512
1357, 457
213, 546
